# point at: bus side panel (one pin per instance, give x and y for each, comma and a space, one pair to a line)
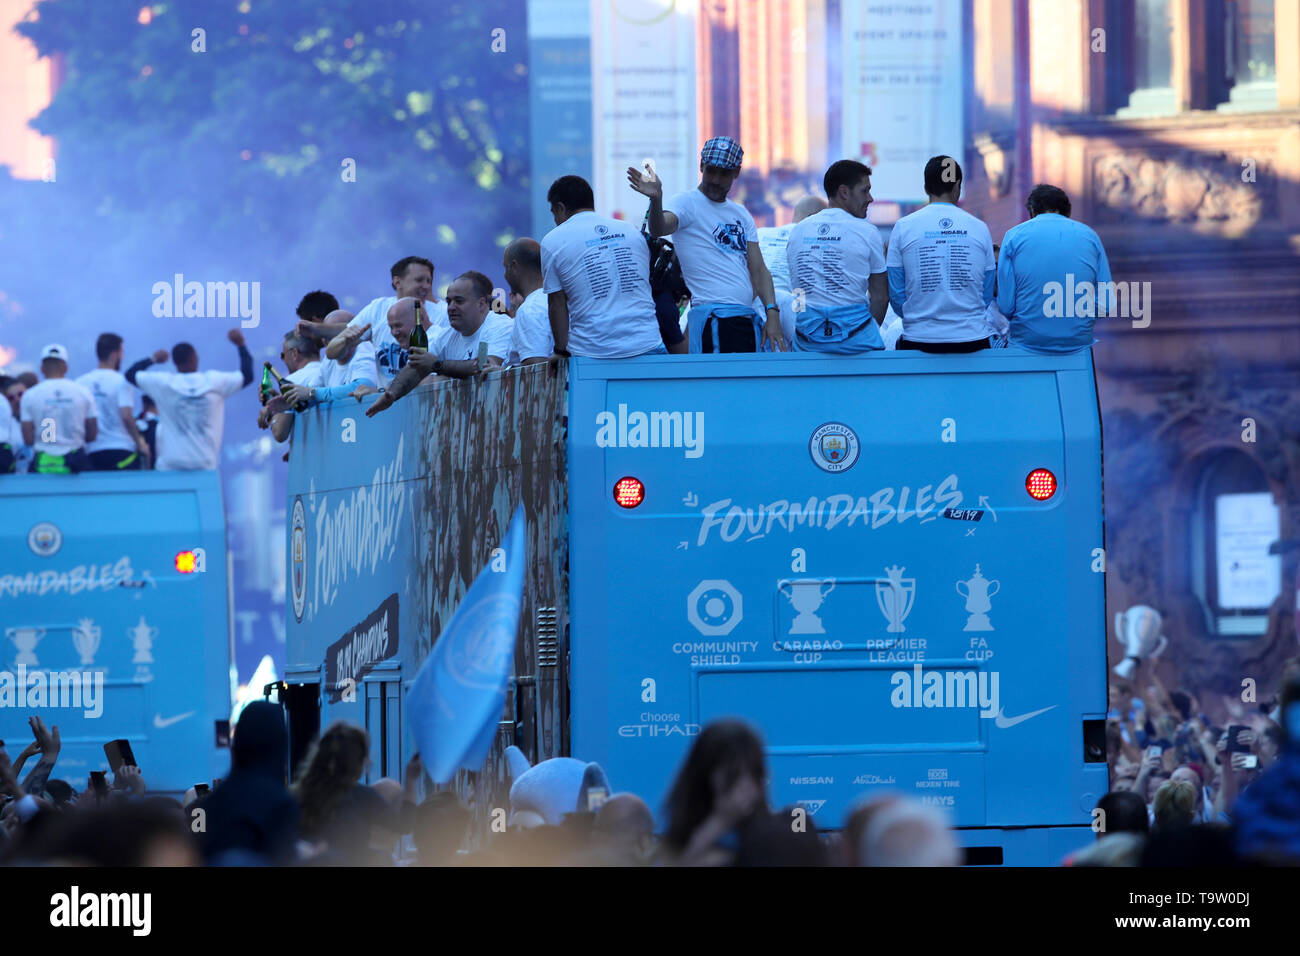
844, 553
90, 585
396, 517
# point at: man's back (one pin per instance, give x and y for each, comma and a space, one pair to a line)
58, 408
603, 267
940, 265
111, 393
772, 241
1047, 249
191, 415
830, 256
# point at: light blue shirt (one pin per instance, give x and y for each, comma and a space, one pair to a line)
1048, 271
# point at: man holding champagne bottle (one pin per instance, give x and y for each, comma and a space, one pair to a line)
412, 277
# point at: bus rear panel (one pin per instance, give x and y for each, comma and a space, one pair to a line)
847, 554
114, 605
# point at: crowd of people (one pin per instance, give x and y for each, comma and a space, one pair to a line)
564, 812
699, 276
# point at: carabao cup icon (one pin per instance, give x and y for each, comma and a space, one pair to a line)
895, 598
25, 639
806, 596
1138, 629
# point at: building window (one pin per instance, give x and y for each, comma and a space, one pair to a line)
1243, 59
1142, 34
1234, 521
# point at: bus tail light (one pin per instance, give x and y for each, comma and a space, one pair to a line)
629, 492
1041, 484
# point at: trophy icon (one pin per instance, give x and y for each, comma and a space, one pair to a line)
85, 638
895, 598
142, 636
977, 592
1138, 629
806, 596
25, 639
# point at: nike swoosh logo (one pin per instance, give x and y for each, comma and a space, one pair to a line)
162, 723
1004, 722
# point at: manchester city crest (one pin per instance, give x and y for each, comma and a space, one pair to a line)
298, 558
834, 447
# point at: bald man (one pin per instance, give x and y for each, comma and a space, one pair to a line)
625, 825
772, 244
531, 341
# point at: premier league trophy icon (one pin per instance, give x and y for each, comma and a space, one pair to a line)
895, 598
25, 639
85, 638
1138, 629
806, 596
977, 592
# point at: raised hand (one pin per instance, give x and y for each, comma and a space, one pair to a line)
646, 182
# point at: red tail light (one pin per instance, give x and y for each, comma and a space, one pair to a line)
629, 492
1041, 484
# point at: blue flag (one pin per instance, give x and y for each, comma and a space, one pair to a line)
457, 698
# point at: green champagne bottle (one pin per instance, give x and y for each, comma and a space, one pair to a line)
419, 338
265, 389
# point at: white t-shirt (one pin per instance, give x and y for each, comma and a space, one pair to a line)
64, 404
942, 258
603, 267
111, 392
191, 415
450, 346
390, 355
10, 430
309, 375
712, 243
361, 365
831, 255
532, 336
772, 243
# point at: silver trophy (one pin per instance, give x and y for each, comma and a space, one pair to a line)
1138, 629
25, 639
977, 592
895, 598
85, 638
142, 636
806, 596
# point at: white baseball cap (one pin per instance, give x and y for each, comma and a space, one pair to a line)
55, 351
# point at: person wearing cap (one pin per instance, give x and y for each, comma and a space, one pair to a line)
58, 418
717, 244
837, 261
191, 404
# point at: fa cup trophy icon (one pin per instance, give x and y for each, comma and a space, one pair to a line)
895, 598
806, 596
977, 592
1138, 629
25, 639
85, 638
